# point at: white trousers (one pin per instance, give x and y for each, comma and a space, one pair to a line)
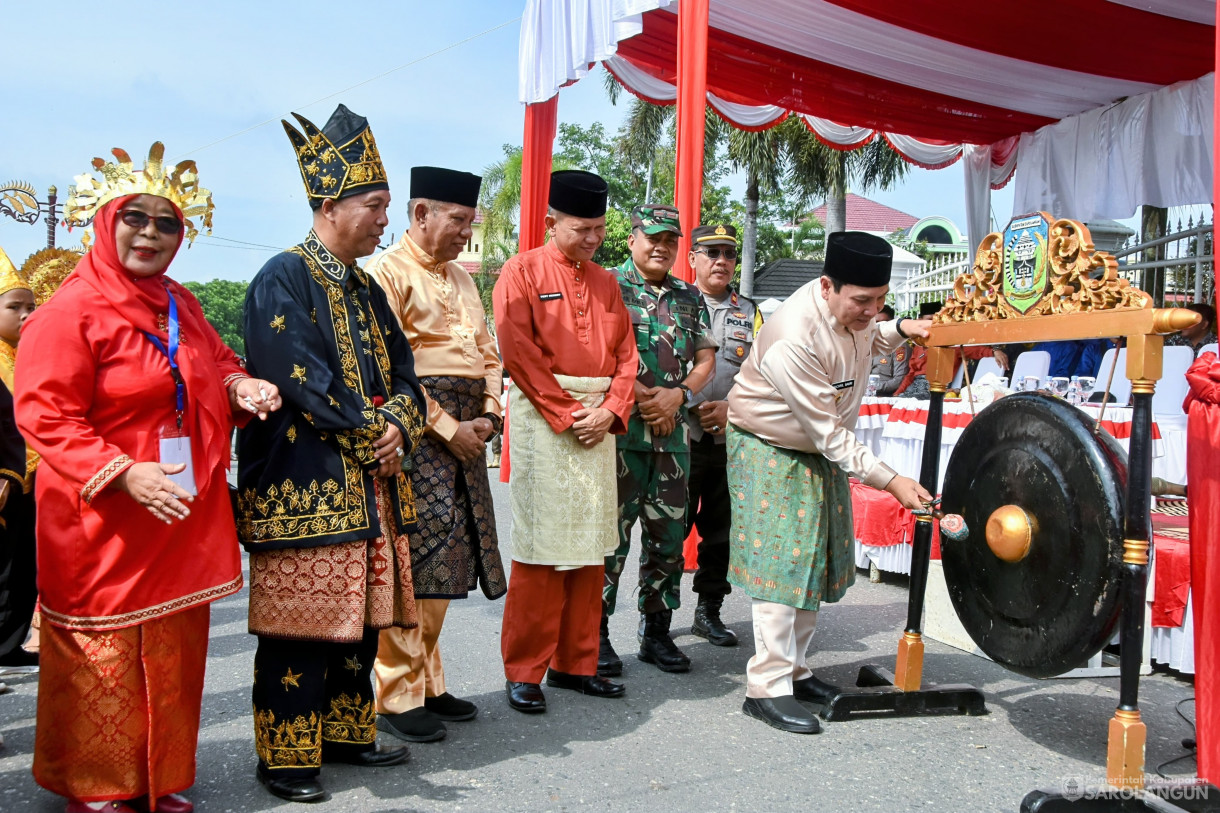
782, 636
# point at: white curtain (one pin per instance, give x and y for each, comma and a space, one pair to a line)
1155, 148
560, 39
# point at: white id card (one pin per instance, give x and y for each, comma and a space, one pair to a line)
178, 450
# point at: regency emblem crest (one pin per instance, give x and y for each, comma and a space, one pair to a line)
1025, 260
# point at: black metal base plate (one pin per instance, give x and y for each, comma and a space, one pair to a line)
877, 695
1162, 796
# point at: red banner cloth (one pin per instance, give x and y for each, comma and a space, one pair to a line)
878, 520
1172, 581
1203, 497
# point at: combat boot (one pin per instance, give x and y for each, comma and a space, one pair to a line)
608, 662
708, 624
658, 648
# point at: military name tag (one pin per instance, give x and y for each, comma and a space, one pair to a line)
549, 297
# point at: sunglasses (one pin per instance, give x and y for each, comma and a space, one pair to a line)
138, 220
716, 253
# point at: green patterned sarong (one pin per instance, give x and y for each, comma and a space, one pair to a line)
791, 541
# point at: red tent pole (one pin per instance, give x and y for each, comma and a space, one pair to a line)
692, 101
536, 153
540, 125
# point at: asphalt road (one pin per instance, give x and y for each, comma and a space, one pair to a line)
675, 742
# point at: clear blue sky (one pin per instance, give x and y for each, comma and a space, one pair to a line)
213, 80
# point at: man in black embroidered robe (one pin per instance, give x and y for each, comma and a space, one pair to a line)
322, 506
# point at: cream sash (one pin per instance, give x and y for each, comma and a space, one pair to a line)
564, 496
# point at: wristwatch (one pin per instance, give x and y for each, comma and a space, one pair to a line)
686, 390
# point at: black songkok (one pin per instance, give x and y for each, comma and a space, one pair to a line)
445, 185
858, 258
578, 193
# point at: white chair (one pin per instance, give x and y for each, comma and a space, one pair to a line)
1171, 389
1209, 348
959, 378
1120, 390
987, 365
1032, 362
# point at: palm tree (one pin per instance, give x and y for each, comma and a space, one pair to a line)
818, 169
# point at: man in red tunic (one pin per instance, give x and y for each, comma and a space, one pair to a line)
567, 343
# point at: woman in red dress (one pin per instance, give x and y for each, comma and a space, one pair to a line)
130, 396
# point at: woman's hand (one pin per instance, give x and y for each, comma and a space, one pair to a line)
255, 396
147, 484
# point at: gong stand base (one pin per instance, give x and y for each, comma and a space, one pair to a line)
1163, 796
877, 692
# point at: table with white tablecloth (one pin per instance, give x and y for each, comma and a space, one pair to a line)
894, 429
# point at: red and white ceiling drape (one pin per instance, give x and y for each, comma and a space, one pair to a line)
1103, 104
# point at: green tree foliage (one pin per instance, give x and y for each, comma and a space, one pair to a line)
222, 302
614, 249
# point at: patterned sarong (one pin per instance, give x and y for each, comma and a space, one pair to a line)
564, 496
791, 538
118, 711
455, 546
332, 592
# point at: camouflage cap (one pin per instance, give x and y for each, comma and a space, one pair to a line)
656, 219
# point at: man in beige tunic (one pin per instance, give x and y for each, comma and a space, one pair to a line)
792, 414
454, 548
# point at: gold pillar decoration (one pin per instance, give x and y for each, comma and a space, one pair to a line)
908, 671
1125, 755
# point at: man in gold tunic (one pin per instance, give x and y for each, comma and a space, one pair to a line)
455, 547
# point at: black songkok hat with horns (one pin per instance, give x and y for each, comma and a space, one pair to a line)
578, 193
445, 185
339, 160
858, 258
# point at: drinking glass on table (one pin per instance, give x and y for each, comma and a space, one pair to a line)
1059, 385
1030, 383
874, 381
1087, 384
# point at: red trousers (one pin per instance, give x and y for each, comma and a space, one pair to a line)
551, 618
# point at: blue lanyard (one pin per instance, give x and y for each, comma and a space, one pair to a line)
172, 355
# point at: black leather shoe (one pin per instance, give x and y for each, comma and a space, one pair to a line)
308, 789
380, 756
525, 697
450, 708
658, 648
416, 725
812, 690
585, 684
783, 713
608, 662
708, 624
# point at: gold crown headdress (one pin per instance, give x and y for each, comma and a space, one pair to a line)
10, 277
180, 185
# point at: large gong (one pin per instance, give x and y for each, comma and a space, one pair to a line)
1035, 581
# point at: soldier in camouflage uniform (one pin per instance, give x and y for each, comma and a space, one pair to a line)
677, 357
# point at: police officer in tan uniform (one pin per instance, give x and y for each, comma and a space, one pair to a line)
890, 368
735, 321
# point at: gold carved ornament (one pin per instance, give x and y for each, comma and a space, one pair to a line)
1081, 279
